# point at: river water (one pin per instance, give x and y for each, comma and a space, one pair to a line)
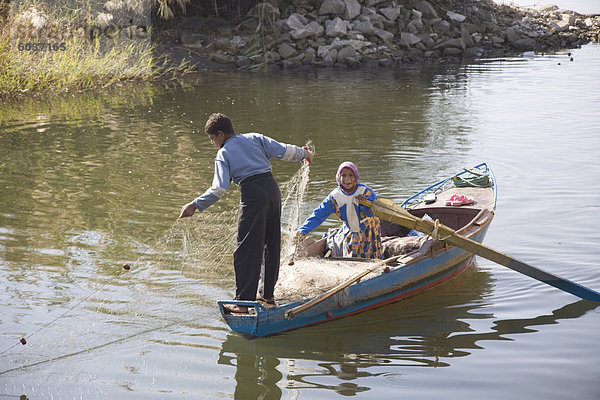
95, 180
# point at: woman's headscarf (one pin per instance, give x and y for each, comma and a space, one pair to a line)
351, 167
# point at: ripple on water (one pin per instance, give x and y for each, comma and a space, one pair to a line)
410, 379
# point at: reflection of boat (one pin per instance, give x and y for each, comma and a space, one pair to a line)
433, 263
411, 330
428, 332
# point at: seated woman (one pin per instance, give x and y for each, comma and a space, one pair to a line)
360, 235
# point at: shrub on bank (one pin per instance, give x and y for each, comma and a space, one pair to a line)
48, 49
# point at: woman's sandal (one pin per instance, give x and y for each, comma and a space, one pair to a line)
457, 200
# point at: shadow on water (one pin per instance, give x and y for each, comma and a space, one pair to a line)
428, 330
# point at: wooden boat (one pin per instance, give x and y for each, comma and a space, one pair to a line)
431, 264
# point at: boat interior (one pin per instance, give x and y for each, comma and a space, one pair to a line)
465, 218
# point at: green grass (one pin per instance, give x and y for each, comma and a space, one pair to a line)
81, 65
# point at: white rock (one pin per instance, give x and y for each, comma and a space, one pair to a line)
427, 9
416, 14
316, 28
296, 21
559, 26
322, 50
301, 33
391, 13
570, 19
456, 17
589, 22
333, 7
415, 25
336, 27
357, 45
364, 27
386, 36
352, 9
408, 39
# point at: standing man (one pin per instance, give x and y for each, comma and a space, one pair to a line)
244, 159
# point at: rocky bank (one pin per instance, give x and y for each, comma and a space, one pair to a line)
358, 33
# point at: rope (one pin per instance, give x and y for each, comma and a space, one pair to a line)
87, 350
45, 326
23, 339
435, 235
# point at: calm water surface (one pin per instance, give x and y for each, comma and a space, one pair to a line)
91, 181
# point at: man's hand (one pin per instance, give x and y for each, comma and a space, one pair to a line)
188, 210
309, 156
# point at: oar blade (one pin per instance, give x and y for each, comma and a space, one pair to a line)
554, 280
392, 212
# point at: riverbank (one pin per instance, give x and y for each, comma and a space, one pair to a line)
373, 33
46, 49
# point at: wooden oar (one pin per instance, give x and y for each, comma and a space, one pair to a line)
390, 211
291, 313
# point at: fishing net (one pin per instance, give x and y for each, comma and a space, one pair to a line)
173, 281
202, 247
314, 276
292, 193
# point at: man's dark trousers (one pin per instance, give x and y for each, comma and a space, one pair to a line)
259, 235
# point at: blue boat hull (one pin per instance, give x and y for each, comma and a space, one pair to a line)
399, 283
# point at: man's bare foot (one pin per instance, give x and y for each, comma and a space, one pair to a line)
234, 308
268, 301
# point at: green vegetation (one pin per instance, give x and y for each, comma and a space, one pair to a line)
58, 48
264, 19
80, 65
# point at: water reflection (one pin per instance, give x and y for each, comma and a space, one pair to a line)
84, 161
426, 331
